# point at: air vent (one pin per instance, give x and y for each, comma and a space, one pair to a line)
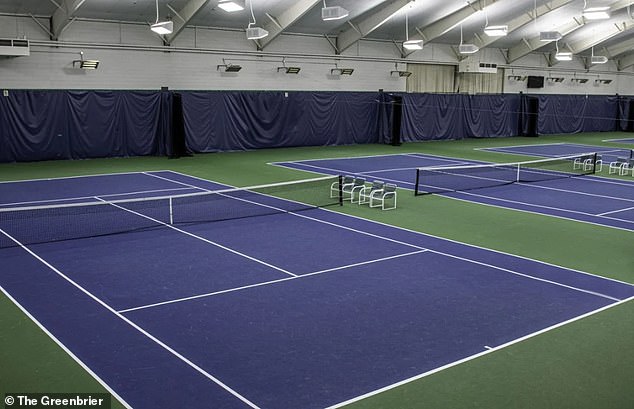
14, 47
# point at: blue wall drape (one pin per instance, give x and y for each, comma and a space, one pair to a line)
223, 121
41, 125
458, 116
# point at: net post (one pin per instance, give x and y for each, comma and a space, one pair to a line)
171, 212
340, 190
517, 177
417, 180
594, 163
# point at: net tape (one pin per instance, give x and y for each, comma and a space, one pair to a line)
42, 224
445, 179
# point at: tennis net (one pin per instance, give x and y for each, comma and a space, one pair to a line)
43, 224
445, 179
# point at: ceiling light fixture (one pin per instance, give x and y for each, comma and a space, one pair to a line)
85, 64
231, 6
579, 80
288, 70
494, 31
254, 33
163, 27
399, 73
602, 81
598, 59
341, 71
408, 44
596, 13
549, 36
562, 55
228, 67
555, 79
466, 48
333, 13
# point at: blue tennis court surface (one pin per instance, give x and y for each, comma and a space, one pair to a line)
302, 309
591, 199
552, 150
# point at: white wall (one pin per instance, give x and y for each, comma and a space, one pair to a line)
132, 57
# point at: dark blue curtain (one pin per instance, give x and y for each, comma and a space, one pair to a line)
34, 126
489, 116
432, 117
225, 121
577, 113
42, 125
458, 116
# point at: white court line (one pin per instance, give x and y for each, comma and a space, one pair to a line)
66, 349
418, 155
616, 211
549, 208
622, 140
577, 192
529, 184
367, 174
438, 252
455, 241
92, 197
472, 357
265, 283
337, 158
198, 237
570, 287
605, 150
313, 218
80, 176
132, 324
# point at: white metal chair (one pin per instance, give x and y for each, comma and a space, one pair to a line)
627, 167
617, 165
382, 196
366, 192
334, 187
590, 162
350, 189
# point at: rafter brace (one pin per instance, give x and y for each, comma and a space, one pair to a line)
440, 27
370, 22
188, 12
278, 24
63, 16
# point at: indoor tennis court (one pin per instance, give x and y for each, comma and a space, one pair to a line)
316, 204
283, 310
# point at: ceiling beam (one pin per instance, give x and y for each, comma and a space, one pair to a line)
520, 21
63, 16
529, 45
379, 15
440, 27
280, 23
622, 47
595, 38
188, 12
625, 62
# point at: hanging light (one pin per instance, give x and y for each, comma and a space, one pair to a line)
254, 33
466, 48
410, 44
333, 13
562, 55
163, 27
598, 59
231, 6
494, 31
